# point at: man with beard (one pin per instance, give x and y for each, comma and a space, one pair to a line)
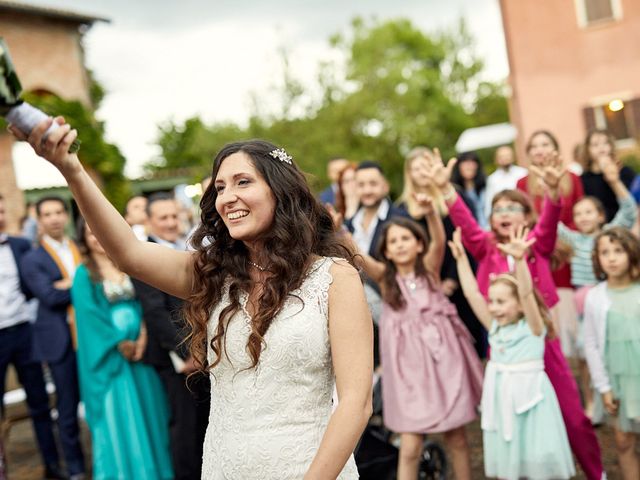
189, 404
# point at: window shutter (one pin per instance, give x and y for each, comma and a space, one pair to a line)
634, 117
589, 118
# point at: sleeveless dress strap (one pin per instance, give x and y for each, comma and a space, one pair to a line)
318, 281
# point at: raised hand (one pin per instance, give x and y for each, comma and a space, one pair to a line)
610, 170
455, 244
440, 173
55, 148
551, 171
518, 243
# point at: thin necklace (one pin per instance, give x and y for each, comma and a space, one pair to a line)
411, 282
259, 267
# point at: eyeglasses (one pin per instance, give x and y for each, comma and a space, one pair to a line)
508, 209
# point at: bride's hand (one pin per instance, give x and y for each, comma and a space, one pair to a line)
54, 148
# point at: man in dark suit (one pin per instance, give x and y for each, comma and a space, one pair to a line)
16, 345
375, 208
48, 272
165, 351
334, 167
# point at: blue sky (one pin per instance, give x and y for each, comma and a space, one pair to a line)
162, 59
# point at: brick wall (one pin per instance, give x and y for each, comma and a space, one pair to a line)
48, 56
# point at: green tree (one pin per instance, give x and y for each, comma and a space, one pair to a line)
103, 159
400, 87
192, 144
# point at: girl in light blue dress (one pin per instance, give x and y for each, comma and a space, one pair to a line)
523, 432
612, 341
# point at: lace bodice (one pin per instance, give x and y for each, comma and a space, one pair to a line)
267, 423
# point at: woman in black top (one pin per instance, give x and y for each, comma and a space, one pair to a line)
599, 147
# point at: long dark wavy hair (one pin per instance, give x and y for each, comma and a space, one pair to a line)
302, 230
391, 292
87, 258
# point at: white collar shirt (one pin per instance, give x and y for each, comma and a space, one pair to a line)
13, 304
363, 237
64, 252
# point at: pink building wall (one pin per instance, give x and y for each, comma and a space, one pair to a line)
558, 68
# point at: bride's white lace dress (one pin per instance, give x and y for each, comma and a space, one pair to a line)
267, 423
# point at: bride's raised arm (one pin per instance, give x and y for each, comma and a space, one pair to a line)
164, 268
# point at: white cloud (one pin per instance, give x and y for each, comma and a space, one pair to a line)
161, 60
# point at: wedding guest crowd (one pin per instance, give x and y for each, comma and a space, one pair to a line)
524, 268
548, 198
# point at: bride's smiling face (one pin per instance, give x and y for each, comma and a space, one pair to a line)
244, 200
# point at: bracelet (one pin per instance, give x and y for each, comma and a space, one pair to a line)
450, 195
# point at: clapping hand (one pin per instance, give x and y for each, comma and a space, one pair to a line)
55, 147
518, 243
455, 245
551, 171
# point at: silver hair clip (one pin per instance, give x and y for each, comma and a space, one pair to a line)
282, 155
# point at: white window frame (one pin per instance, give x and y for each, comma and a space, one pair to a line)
581, 14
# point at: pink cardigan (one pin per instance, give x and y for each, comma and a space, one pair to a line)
482, 245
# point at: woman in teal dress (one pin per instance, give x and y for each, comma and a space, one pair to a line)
125, 404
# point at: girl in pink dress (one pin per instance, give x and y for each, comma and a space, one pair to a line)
431, 375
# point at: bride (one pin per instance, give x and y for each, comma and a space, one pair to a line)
276, 310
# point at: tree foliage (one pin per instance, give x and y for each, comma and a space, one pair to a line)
103, 159
400, 87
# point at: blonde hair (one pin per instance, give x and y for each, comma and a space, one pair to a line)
510, 281
409, 187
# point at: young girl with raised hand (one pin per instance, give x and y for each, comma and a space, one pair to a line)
523, 432
589, 215
431, 375
511, 209
612, 340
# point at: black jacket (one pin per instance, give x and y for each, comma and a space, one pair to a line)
162, 314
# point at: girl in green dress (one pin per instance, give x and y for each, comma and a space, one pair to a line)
524, 435
125, 404
612, 340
